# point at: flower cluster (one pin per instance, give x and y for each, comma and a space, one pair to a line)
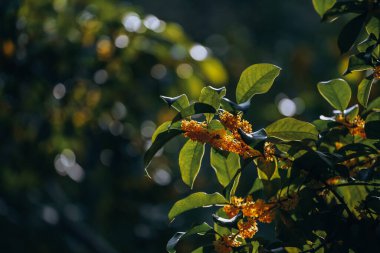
376, 72
234, 122
355, 126
225, 244
220, 139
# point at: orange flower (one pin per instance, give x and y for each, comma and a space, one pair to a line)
259, 209
247, 229
233, 209
358, 127
376, 72
220, 139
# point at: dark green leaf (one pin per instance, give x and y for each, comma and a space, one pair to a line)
321, 6
160, 140
249, 138
195, 200
193, 109
364, 89
267, 170
190, 158
337, 92
350, 33
374, 105
231, 187
359, 62
179, 103
256, 79
230, 106
225, 165
227, 222
200, 229
341, 8
289, 129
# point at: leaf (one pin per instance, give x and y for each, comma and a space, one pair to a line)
364, 89
267, 170
195, 200
373, 26
190, 158
289, 129
358, 63
230, 106
256, 79
199, 229
227, 222
180, 102
259, 135
337, 92
341, 8
193, 109
164, 127
212, 96
350, 33
225, 166
159, 141
232, 185
321, 6
374, 105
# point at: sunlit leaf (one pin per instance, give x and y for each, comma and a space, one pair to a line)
190, 158
225, 165
337, 92
256, 79
289, 129
199, 229
374, 105
195, 200
373, 26
321, 6
364, 90
212, 96
164, 127
231, 106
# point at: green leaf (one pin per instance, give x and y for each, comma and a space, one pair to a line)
195, 200
225, 165
341, 8
373, 26
374, 105
212, 96
321, 6
256, 79
159, 141
164, 127
350, 33
193, 109
179, 103
215, 125
267, 170
289, 129
364, 90
373, 116
190, 158
356, 63
199, 229
337, 92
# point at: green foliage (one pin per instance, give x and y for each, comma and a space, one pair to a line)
289, 129
195, 200
337, 92
190, 159
318, 184
256, 79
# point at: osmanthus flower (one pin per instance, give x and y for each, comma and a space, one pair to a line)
376, 72
225, 243
247, 228
220, 139
355, 126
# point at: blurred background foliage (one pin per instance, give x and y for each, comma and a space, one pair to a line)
80, 82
